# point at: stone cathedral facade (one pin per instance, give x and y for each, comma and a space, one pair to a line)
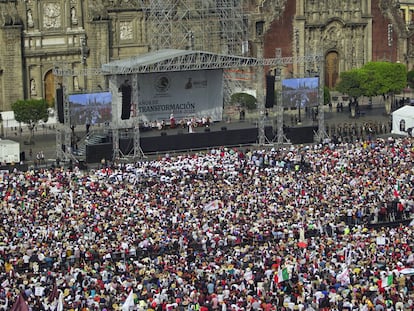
38, 35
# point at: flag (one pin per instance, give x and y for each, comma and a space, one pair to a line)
282, 275
343, 277
20, 304
60, 302
53, 294
387, 280
71, 198
396, 191
129, 302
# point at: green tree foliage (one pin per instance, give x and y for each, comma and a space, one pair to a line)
388, 77
30, 112
350, 83
374, 78
410, 78
244, 100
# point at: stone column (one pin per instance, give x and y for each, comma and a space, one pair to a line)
12, 65
98, 46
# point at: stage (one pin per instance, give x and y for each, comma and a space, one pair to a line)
218, 134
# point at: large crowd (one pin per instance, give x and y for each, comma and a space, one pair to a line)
281, 229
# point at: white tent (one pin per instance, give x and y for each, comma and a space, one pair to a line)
403, 121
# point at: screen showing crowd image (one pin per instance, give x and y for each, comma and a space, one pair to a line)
90, 108
300, 92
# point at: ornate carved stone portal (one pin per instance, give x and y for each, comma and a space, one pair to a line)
339, 30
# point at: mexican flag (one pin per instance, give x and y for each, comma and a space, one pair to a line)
396, 191
282, 275
387, 280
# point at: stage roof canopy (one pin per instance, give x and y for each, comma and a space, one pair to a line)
175, 60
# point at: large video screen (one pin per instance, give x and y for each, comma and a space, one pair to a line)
300, 93
90, 108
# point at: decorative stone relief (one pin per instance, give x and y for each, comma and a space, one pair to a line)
9, 15
332, 8
273, 10
123, 3
331, 36
51, 15
97, 11
125, 31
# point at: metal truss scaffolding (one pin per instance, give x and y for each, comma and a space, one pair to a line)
321, 135
64, 131
176, 60
215, 26
279, 62
179, 60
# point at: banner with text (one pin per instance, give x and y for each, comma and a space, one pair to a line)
188, 94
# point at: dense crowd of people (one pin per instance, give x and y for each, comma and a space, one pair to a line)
227, 229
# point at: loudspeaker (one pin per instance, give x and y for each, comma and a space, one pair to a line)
126, 92
269, 133
270, 91
59, 104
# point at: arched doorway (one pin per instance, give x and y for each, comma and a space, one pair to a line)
331, 69
50, 87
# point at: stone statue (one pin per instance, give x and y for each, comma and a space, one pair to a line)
73, 16
30, 22
33, 87
76, 83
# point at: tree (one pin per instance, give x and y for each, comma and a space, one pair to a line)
30, 112
373, 79
244, 100
410, 78
350, 83
390, 78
